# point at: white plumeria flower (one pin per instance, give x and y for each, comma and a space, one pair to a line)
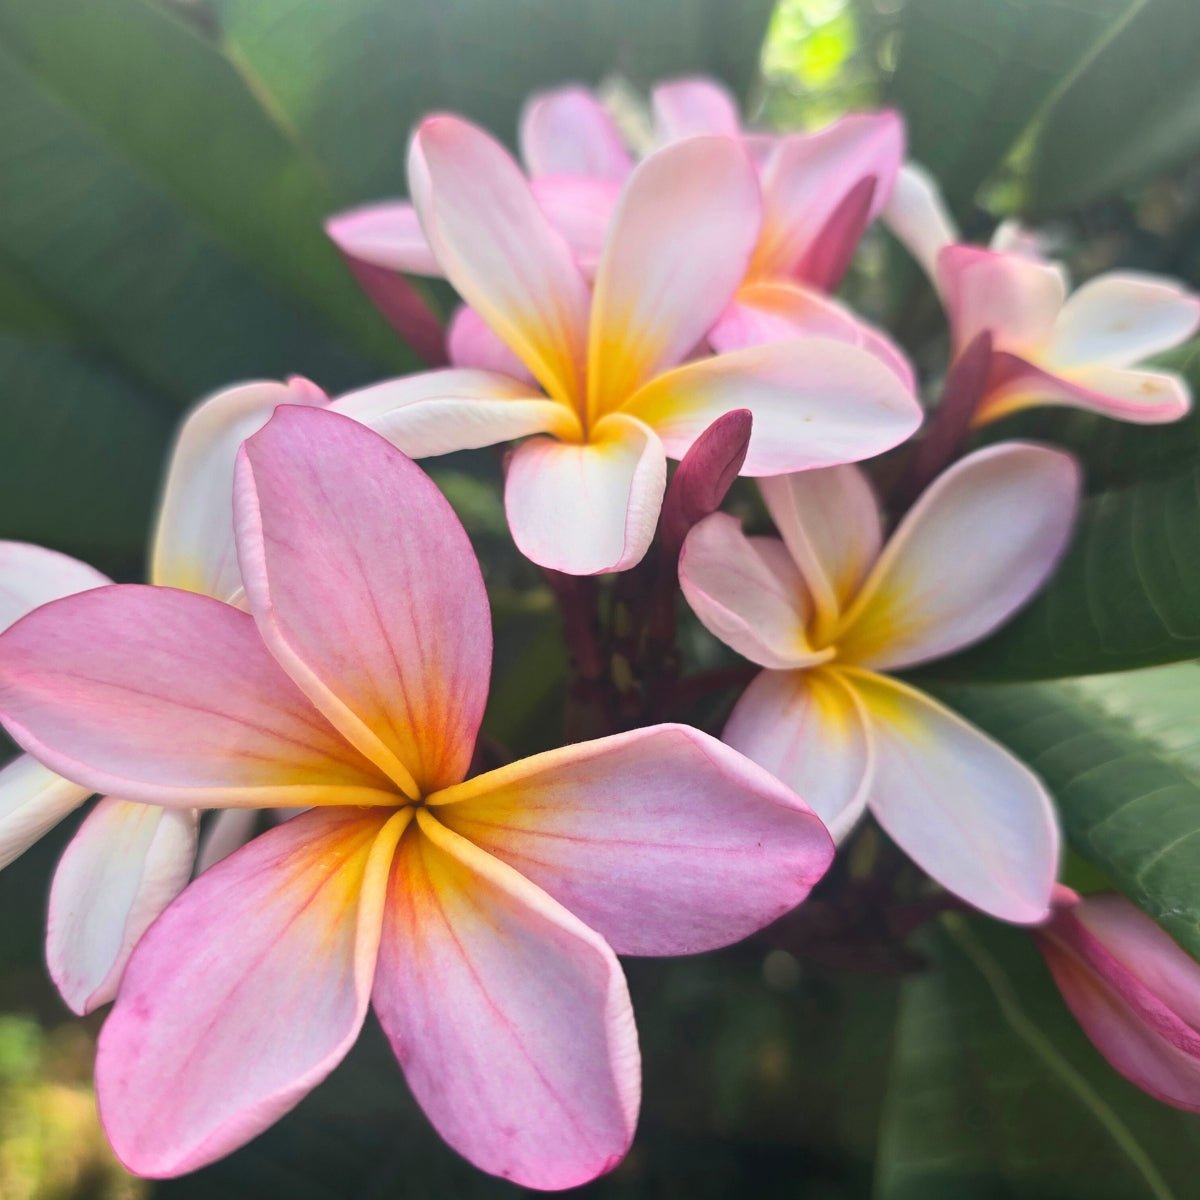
830, 609
1049, 346
129, 860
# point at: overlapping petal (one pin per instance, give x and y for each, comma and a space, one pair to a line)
366, 589
510, 1017
974, 548
125, 865
917, 215
581, 209
663, 840
213, 1037
385, 235
33, 799
585, 508
693, 107
569, 132
32, 575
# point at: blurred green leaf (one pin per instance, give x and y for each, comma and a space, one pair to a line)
973, 74
1134, 109
996, 1093
1118, 752
352, 77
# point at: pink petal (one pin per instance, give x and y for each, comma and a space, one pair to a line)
1014, 298
438, 412
193, 541
828, 259
587, 508
405, 308
384, 235
581, 210
917, 215
808, 730
777, 311
677, 249
807, 177
510, 1017
33, 799
32, 575
815, 403
124, 866
981, 540
685, 108
1134, 991
748, 593
171, 698
961, 806
383, 623
830, 522
246, 992
569, 132
663, 840
1124, 393
1121, 318
471, 343
498, 249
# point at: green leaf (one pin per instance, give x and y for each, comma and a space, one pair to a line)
1133, 111
372, 68
995, 1092
1119, 754
972, 76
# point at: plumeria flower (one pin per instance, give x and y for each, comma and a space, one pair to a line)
1132, 988
616, 395
129, 860
1047, 346
479, 917
830, 611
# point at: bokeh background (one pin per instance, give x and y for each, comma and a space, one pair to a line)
165, 166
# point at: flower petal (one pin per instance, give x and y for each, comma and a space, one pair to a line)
830, 522
438, 412
1015, 298
33, 799
808, 176
676, 251
808, 730
229, 830
193, 542
383, 623
384, 235
32, 575
246, 992
981, 540
471, 343
171, 698
587, 508
663, 840
510, 1017
568, 131
1124, 393
1121, 318
499, 250
917, 215
693, 107
125, 865
748, 593
958, 804
815, 403
581, 210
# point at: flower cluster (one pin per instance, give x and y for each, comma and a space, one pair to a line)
315, 641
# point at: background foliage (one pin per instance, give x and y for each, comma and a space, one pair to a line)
165, 166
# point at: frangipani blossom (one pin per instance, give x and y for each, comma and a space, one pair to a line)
1049, 347
480, 918
1134, 990
129, 860
831, 610
617, 396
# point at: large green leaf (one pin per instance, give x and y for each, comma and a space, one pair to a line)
1118, 753
996, 1093
1133, 111
353, 77
972, 76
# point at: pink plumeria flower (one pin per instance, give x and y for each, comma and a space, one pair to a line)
616, 396
831, 611
1049, 347
479, 917
129, 860
1132, 988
